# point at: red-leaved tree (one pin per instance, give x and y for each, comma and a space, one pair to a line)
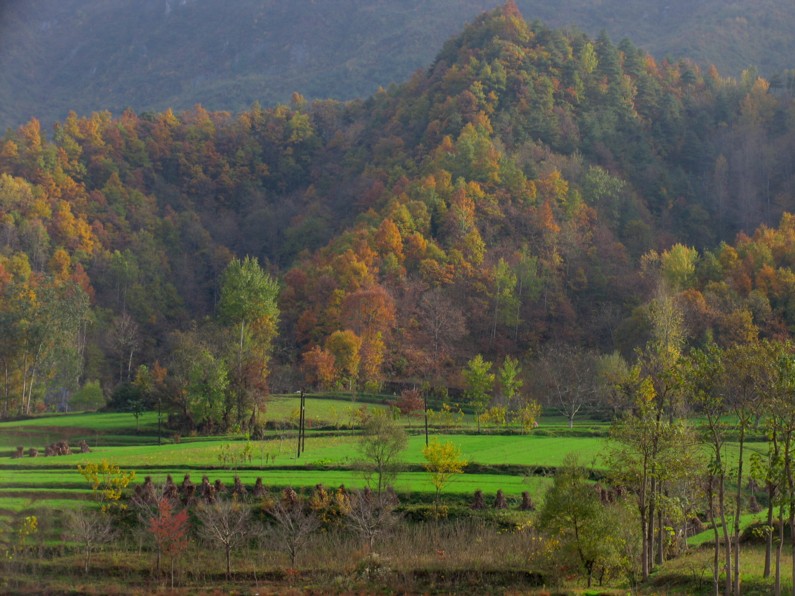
169, 529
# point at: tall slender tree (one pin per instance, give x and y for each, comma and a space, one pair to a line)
248, 300
479, 385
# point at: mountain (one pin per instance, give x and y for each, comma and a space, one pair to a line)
90, 55
61, 55
530, 187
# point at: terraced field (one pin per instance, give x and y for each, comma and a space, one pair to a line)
32, 485
498, 459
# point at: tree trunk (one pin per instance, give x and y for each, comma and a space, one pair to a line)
716, 553
24, 384
425, 404
228, 562
240, 373
240, 347
650, 525
642, 509
644, 553
726, 539
792, 541
129, 364
738, 512
772, 489
660, 539
30, 391
717, 444
769, 539
789, 486
779, 548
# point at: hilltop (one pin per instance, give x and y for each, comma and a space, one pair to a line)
150, 55
527, 189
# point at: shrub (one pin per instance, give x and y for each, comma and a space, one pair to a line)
88, 399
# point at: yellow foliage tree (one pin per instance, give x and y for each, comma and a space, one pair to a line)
528, 415
107, 480
442, 462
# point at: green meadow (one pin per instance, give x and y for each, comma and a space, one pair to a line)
497, 458
325, 451
512, 462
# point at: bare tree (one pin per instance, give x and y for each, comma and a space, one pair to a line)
564, 375
371, 515
227, 523
443, 324
383, 440
293, 524
125, 338
612, 373
91, 529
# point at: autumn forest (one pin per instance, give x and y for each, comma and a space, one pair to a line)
530, 189
553, 213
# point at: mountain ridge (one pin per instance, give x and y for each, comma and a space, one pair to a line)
63, 55
532, 183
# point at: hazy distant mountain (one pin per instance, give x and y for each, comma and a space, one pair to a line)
88, 55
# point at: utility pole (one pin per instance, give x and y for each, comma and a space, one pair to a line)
301, 421
159, 408
425, 404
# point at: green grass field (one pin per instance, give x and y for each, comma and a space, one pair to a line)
325, 450
121, 428
498, 459
511, 462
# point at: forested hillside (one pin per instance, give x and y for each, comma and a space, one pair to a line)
529, 189
61, 55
